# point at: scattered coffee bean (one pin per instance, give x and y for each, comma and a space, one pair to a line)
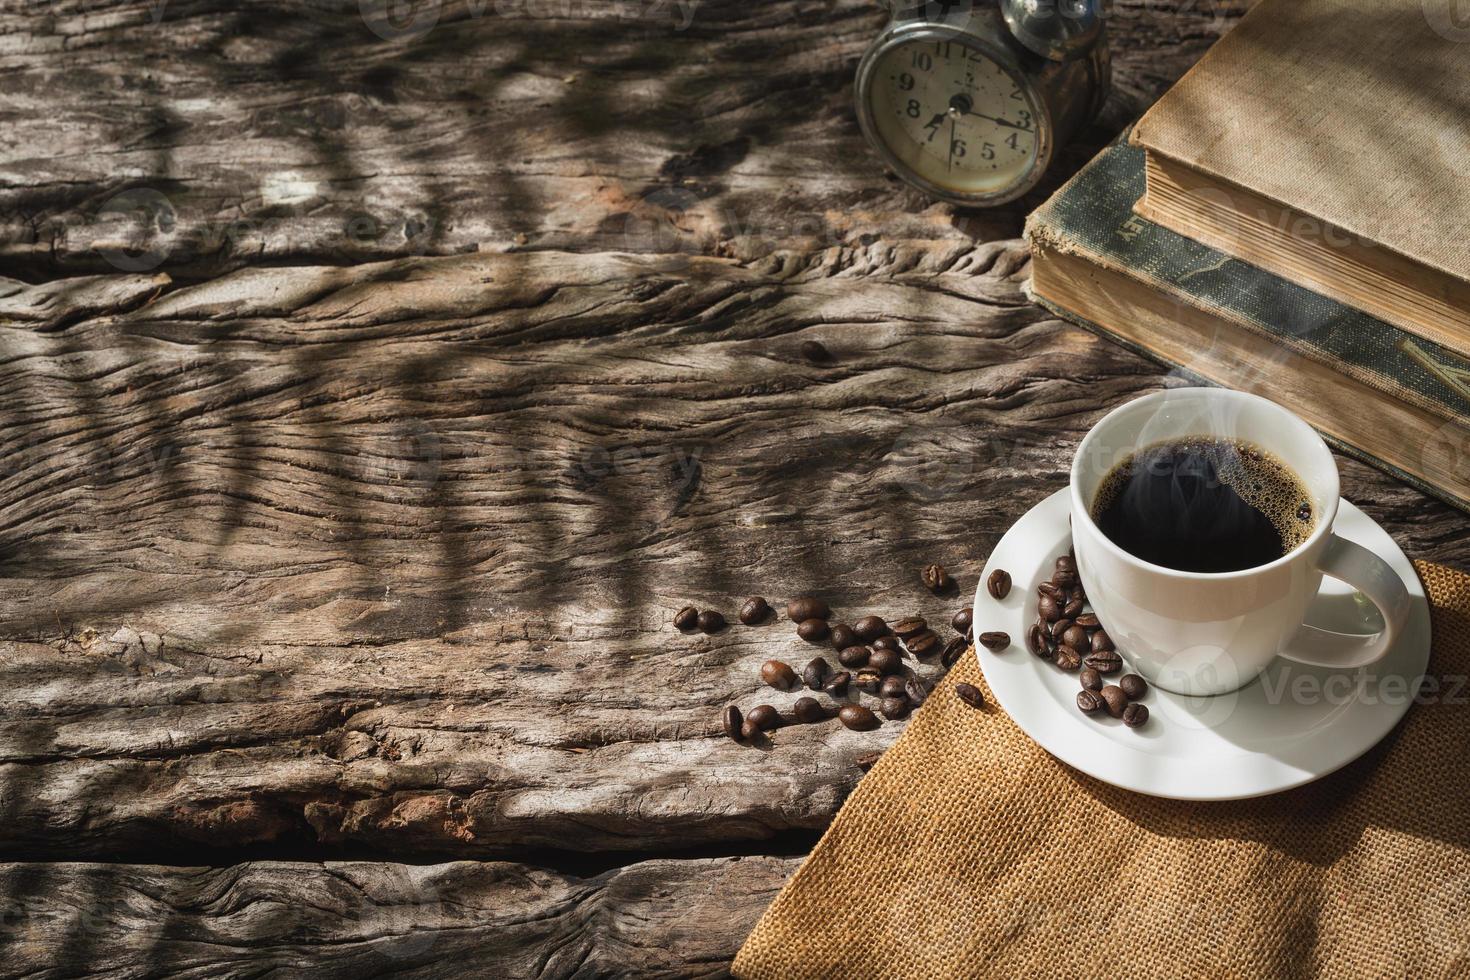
858, 718
814, 352
1101, 641
755, 610
686, 619
894, 708
868, 760
891, 687
837, 684
1075, 637
914, 690
763, 717
954, 649
936, 579
1087, 621
870, 628
910, 626
1036, 640
1067, 658
869, 680
843, 635
749, 731
998, 584
1115, 698
1059, 627
1133, 686
710, 621
885, 662
1049, 590
970, 694
778, 675
806, 607
1048, 608
1089, 701
814, 674
888, 643
1107, 662
730, 721
963, 620
813, 630
1091, 679
1073, 608
808, 711
924, 644
1066, 563
1064, 578
995, 640
1135, 715
854, 656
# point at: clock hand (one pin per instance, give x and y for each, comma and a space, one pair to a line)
951, 142
1002, 122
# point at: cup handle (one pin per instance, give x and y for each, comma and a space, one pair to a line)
1370, 575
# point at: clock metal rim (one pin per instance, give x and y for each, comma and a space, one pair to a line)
908, 33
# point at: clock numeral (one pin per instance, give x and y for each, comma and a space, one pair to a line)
913, 109
1014, 141
987, 152
1017, 96
933, 127
957, 148
1025, 121
976, 56
922, 61
906, 82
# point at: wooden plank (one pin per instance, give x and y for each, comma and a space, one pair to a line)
386, 556
197, 136
357, 919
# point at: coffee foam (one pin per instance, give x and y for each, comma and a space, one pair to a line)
1257, 476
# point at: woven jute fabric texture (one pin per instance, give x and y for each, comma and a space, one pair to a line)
968, 851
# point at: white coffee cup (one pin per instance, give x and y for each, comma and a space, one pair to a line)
1203, 633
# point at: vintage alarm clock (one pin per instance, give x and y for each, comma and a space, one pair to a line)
969, 101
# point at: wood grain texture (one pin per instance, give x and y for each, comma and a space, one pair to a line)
359, 919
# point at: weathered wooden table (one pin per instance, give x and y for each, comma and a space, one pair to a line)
374, 391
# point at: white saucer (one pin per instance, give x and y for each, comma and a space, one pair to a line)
1292, 725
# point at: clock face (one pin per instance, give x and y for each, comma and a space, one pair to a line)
953, 116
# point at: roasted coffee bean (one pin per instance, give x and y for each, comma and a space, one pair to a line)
1087, 621
1073, 608
1049, 590
869, 680
858, 718
1106, 662
924, 644
970, 694
814, 352
843, 635
888, 643
995, 640
813, 630
854, 656
763, 717
750, 731
1089, 701
710, 621
1036, 640
998, 584
778, 675
837, 684
806, 607
814, 674
730, 721
1048, 609
894, 708
1115, 699
914, 690
870, 628
885, 662
1101, 641
686, 619
963, 620
1067, 658
867, 760
1135, 715
1133, 686
1091, 679
808, 711
1075, 637
755, 610
1064, 578
891, 687
910, 626
936, 579
954, 649
1055, 630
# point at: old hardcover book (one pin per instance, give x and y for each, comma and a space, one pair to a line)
1393, 399
1328, 141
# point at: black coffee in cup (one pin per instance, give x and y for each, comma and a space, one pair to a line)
1202, 504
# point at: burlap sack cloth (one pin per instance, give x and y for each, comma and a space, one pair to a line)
969, 851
